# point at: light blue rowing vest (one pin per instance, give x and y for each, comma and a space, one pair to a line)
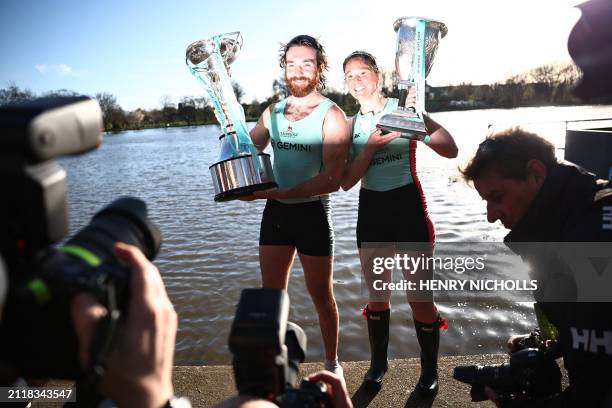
390, 166
298, 147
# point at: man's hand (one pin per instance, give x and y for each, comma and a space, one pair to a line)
247, 198
139, 373
270, 194
336, 388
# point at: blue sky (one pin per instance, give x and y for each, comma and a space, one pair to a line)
136, 49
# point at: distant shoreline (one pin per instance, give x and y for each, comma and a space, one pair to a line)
252, 119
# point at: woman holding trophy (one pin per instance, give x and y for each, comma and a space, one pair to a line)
392, 211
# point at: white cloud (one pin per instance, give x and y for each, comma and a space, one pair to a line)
58, 69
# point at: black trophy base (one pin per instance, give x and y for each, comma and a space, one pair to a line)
243, 191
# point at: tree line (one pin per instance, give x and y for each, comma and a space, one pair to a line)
549, 84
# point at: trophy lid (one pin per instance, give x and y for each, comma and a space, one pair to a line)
411, 22
228, 45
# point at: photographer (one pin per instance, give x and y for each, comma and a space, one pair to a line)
541, 200
93, 309
267, 352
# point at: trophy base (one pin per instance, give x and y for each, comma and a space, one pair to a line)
243, 192
408, 123
238, 176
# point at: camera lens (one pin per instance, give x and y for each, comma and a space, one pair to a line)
124, 220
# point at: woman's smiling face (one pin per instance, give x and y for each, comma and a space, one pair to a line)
360, 78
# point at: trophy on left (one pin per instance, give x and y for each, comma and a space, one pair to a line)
240, 169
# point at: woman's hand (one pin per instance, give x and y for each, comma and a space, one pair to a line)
377, 139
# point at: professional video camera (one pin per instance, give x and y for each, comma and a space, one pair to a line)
268, 350
37, 338
531, 374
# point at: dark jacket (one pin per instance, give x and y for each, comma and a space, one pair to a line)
573, 207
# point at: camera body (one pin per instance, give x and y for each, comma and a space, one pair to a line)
36, 331
268, 349
531, 373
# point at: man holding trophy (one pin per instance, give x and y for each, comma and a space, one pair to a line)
309, 136
392, 215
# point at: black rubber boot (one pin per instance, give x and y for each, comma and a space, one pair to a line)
378, 331
428, 336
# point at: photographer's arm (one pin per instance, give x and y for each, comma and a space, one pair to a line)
139, 373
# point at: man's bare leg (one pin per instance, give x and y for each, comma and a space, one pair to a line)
275, 262
318, 276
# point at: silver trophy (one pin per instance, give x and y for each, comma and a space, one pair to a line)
417, 43
240, 169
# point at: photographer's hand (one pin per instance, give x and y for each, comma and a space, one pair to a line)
492, 395
336, 387
513, 340
139, 373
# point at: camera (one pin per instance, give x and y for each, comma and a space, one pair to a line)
268, 349
36, 331
532, 373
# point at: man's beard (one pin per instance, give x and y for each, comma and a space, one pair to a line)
304, 89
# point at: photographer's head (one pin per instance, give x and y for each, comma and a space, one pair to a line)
508, 170
590, 45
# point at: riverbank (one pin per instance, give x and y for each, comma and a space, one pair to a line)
206, 386
445, 108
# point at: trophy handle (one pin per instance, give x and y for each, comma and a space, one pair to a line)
230, 45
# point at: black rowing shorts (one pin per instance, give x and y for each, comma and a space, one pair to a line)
397, 215
306, 226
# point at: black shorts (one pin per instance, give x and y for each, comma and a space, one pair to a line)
306, 226
397, 215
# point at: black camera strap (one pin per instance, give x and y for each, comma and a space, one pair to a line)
88, 394
102, 342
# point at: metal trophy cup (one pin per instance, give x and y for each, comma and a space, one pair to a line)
417, 43
240, 169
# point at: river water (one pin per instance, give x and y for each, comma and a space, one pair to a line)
210, 250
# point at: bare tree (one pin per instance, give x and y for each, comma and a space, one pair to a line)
61, 92
390, 79
114, 117
238, 91
514, 90
279, 87
166, 101
550, 79
13, 93
201, 102
187, 109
